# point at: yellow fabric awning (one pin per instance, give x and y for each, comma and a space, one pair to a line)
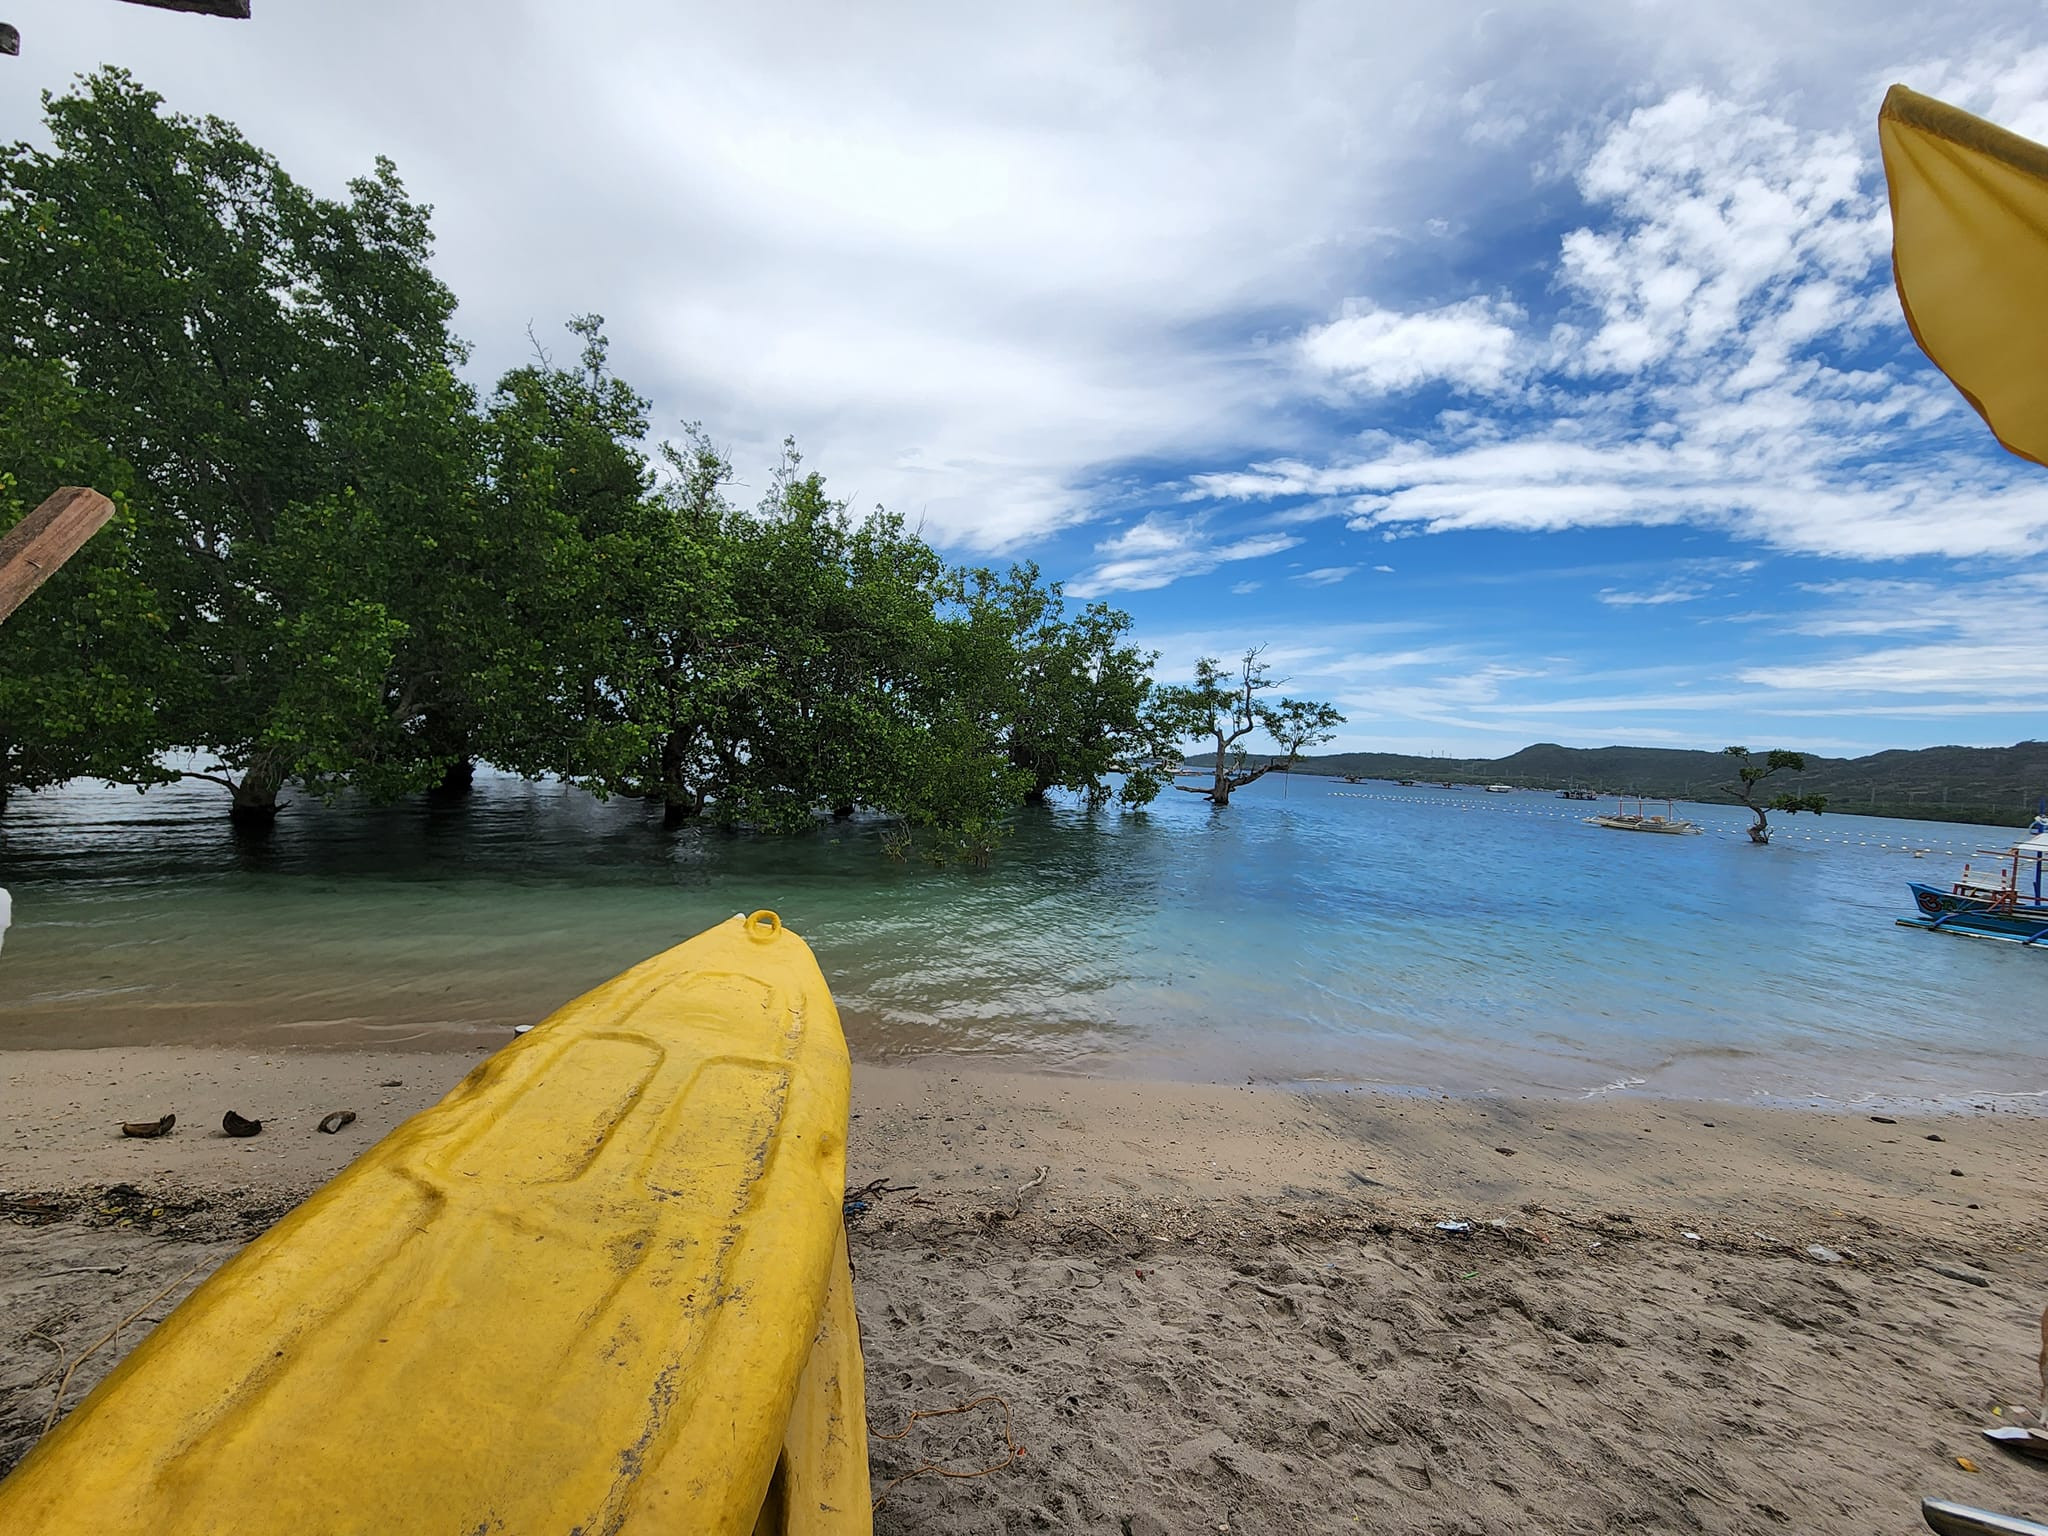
1970, 257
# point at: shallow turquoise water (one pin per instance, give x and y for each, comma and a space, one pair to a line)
1314, 931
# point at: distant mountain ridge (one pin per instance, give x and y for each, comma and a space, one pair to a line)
1996, 785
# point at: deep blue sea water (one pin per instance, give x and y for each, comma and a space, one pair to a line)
1422, 938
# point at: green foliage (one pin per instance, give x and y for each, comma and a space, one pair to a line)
1068, 692
1226, 706
277, 370
570, 550
79, 666
1752, 773
831, 702
335, 567
1792, 802
1298, 724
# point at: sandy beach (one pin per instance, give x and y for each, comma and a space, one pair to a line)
1229, 1307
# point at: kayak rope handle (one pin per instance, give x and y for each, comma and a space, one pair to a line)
763, 926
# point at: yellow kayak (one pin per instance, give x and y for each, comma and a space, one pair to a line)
602, 1286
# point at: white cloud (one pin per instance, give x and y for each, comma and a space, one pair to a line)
979, 259
1469, 345
1969, 639
1385, 569
1325, 576
2012, 667
1244, 588
1727, 354
969, 257
1614, 597
1486, 122
1158, 550
1727, 222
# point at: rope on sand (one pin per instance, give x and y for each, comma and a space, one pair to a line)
940, 1469
64, 1381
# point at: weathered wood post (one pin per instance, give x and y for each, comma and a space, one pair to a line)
234, 10
45, 539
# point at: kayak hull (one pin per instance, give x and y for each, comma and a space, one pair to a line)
585, 1292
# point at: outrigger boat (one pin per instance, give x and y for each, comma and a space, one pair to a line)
1640, 819
2005, 900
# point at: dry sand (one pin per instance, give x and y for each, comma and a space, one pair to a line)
1230, 1308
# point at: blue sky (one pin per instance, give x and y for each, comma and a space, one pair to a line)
1518, 374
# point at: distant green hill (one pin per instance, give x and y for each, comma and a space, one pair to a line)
1995, 785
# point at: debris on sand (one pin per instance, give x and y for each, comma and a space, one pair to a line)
148, 1130
334, 1122
2020, 1440
235, 1125
1959, 1274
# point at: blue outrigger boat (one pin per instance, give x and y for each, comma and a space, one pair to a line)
2007, 900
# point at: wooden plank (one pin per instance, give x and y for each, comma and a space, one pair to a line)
41, 542
237, 10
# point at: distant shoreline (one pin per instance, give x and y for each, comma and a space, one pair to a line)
1977, 816
1988, 786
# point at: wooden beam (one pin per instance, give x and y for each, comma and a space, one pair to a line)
45, 539
237, 10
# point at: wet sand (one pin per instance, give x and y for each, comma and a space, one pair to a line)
1230, 1307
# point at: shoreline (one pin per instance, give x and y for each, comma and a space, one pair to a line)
1109, 949
1234, 1304
981, 1126
36, 1063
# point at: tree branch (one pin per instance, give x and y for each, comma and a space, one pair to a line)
209, 778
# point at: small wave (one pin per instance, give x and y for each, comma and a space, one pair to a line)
1620, 1085
81, 994
1709, 1053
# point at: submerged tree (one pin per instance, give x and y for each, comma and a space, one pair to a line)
334, 567
81, 669
1226, 706
575, 554
277, 370
1748, 791
687, 657
1069, 693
